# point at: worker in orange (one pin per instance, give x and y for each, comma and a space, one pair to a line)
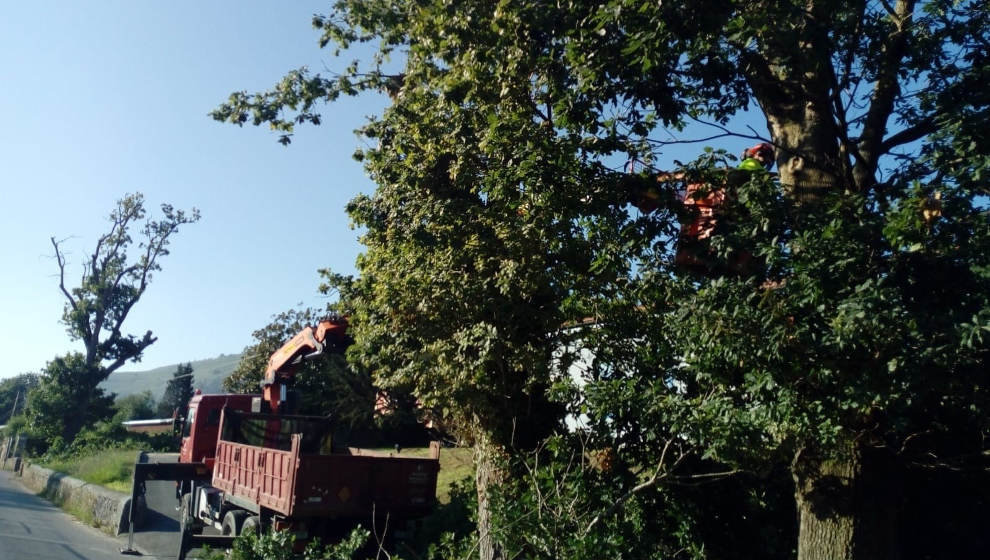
707, 199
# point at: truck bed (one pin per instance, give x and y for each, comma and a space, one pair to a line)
355, 483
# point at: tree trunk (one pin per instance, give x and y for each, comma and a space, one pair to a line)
488, 475
807, 154
792, 80
847, 505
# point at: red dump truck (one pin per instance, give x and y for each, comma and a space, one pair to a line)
247, 464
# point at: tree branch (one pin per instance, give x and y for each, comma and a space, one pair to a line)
885, 92
908, 135
846, 146
659, 473
61, 273
725, 133
145, 342
704, 476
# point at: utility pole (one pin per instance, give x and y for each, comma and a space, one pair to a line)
13, 410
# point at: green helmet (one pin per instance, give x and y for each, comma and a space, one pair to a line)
751, 164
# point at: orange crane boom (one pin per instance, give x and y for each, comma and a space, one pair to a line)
312, 341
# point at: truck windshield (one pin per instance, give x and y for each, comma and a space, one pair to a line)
276, 431
187, 425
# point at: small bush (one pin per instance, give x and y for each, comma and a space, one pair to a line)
278, 545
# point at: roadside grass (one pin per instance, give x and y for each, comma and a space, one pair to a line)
82, 514
456, 464
110, 469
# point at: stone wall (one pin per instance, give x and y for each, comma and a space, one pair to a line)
105, 509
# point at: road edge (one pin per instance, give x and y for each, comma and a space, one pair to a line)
105, 509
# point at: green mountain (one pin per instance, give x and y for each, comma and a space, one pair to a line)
207, 376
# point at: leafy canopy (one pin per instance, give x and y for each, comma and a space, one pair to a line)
114, 278
502, 249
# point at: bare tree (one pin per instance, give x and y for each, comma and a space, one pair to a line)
114, 278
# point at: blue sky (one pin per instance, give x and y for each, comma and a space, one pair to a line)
99, 99
104, 98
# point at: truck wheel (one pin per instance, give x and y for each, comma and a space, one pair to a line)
251, 525
233, 522
185, 525
186, 519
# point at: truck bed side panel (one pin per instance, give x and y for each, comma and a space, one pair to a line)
359, 486
346, 485
263, 476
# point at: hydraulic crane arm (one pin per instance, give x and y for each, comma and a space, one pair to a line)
327, 336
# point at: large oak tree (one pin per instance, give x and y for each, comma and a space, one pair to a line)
855, 346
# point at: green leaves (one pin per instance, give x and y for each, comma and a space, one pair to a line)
507, 251
67, 399
115, 276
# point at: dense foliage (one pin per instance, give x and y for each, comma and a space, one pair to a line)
139, 406
839, 327
101, 430
66, 401
13, 394
279, 545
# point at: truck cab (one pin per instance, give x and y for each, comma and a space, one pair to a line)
201, 427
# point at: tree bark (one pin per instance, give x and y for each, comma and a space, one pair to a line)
808, 154
791, 79
488, 474
847, 504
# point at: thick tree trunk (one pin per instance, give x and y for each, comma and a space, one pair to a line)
823, 490
791, 80
487, 477
847, 505
808, 153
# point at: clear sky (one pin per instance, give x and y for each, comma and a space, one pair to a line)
98, 99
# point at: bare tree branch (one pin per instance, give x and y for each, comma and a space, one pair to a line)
908, 135
885, 92
61, 273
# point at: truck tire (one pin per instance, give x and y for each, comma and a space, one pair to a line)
185, 525
186, 518
252, 524
233, 522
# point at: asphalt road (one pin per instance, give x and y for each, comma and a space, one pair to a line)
32, 528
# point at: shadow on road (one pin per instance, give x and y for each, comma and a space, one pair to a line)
159, 522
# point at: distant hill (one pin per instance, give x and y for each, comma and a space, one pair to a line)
207, 375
